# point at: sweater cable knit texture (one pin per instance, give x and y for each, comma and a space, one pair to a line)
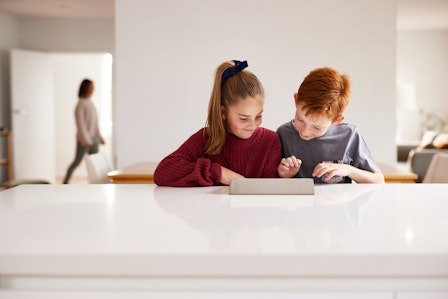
189, 166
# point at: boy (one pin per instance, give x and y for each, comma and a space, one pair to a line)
316, 143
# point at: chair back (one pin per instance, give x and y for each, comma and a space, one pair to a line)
97, 168
438, 169
419, 160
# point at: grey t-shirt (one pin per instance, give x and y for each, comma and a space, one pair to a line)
340, 144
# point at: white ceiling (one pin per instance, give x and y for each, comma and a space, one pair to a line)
412, 14
422, 14
90, 9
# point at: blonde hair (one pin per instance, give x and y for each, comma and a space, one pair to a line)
226, 93
324, 92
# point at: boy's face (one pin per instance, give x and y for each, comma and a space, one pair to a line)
312, 127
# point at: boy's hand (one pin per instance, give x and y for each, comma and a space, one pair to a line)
331, 170
227, 175
289, 167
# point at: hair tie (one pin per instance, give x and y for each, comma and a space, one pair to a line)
239, 66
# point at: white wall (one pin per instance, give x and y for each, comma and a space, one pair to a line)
167, 51
422, 60
67, 35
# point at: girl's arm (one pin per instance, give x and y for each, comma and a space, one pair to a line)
188, 166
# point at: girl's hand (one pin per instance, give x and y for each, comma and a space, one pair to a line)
227, 175
289, 167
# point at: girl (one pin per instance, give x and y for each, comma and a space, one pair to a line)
232, 145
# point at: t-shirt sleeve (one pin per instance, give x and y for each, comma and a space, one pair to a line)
363, 159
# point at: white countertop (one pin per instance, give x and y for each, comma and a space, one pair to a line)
144, 230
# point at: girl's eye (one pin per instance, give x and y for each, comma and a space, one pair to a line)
259, 116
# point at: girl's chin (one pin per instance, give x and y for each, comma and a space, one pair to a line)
245, 135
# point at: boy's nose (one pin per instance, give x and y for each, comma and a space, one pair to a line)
305, 131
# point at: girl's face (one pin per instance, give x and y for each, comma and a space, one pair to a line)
244, 117
311, 127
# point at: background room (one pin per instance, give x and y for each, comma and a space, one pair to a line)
163, 71
76, 44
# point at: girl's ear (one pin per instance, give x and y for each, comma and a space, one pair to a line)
223, 112
338, 120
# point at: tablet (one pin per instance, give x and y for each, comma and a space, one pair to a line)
254, 186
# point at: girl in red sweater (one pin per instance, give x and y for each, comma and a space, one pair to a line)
232, 144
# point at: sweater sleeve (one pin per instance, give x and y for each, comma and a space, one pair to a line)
188, 166
273, 156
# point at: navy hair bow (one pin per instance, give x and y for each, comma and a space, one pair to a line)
239, 66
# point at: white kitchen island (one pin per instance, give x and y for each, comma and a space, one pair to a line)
126, 241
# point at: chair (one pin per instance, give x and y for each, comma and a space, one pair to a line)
419, 160
438, 170
97, 168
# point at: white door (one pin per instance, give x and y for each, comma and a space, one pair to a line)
32, 104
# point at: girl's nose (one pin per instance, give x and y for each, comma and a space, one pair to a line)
254, 123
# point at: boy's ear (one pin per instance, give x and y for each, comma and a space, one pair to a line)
295, 98
338, 120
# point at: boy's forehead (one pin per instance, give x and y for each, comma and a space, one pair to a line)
315, 118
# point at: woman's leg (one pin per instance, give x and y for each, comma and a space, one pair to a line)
80, 152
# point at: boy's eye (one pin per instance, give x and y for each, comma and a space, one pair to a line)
259, 116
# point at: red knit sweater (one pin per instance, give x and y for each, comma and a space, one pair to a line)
188, 166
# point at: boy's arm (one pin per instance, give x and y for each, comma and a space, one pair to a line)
356, 174
365, 176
